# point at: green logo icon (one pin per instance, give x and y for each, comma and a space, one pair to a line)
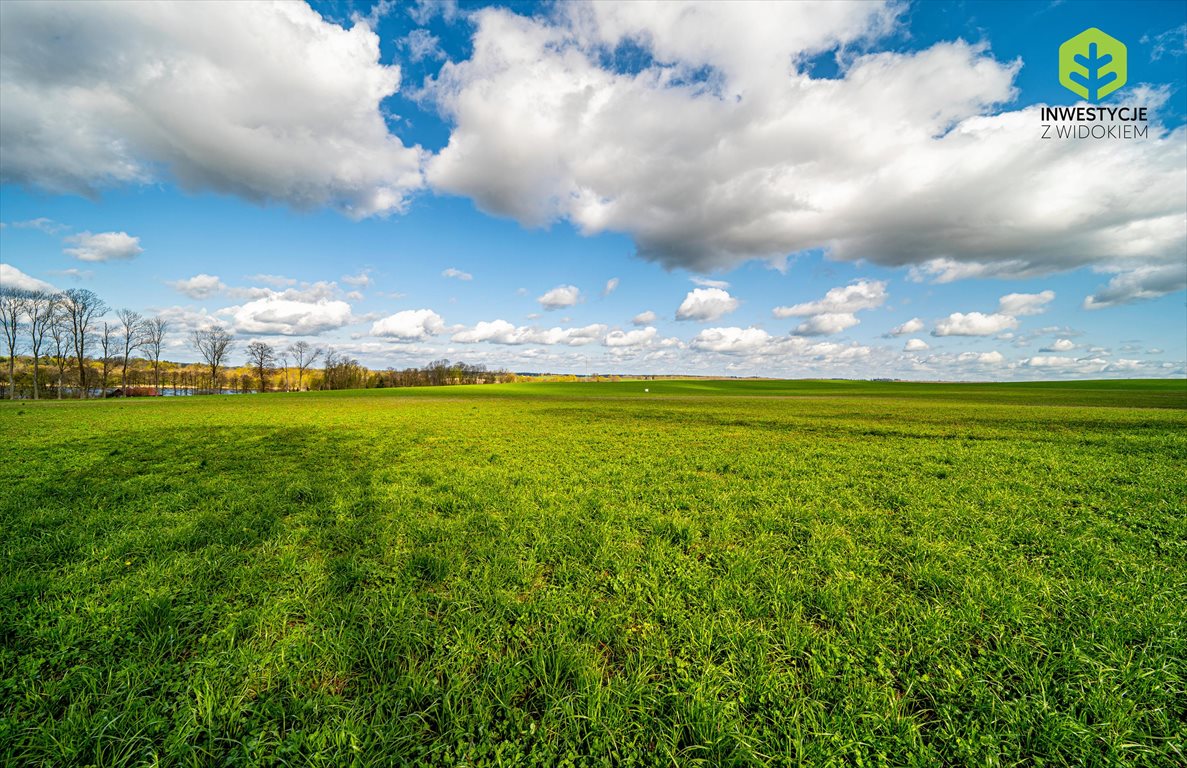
1092, 64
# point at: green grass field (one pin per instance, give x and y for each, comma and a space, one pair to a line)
711, 573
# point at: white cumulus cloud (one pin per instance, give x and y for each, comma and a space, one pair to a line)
104, 246
706, 304
827, 323
898, 159
503, 332
974, 324
914, 325
858, 295
637, 338
422, 44
288, 317
1019, 304
11, 277
1060, 345
835, 312
983, 358
644, 318
1049, 361
361, 280
560, 296
201, 286
731, 340
267, 101
915, 345
409, 325
756, 344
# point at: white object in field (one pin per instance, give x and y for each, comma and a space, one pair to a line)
645, 389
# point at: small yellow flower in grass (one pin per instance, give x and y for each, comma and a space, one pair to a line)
127, 562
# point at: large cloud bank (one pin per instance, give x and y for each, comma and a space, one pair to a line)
714, 145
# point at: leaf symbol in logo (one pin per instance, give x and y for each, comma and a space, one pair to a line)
1092, 64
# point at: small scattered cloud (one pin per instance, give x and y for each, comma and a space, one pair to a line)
1049, 361
836, 311
706, 304
974, 324
409, 325
104, 246
41, 224
611, 286
1172, 42
1000, 323
914, 325
201, 286
640, 337
276, 281
74, 273
827, 323
422, 44
644, 318
424, 11
456, 274
361, 280
731, 340
857, 296
560, 297
705, 282
1021, 304
1060, 345
985, 358
915, 345
380, 10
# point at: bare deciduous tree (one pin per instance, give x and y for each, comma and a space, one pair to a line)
12, 309
59, 331
305, 355
213, 344
82, 308
107, 345
261, 356
132, 337
283, 357
155, 329
41, 306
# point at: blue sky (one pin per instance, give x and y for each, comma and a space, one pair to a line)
854, 190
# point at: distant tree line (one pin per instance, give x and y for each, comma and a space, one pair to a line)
63, 344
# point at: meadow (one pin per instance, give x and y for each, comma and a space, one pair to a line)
711, 573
